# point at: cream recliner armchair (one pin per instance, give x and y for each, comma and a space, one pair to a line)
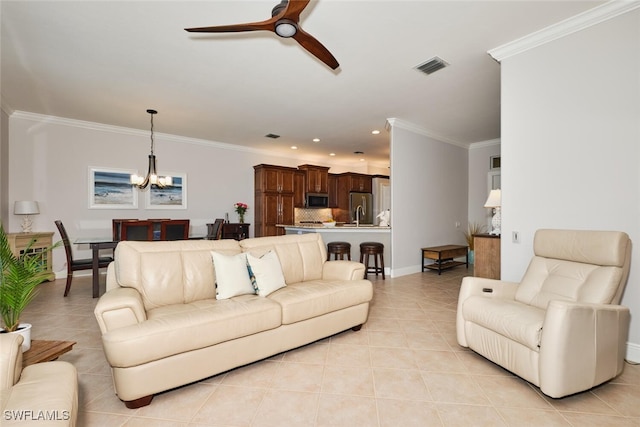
561, 327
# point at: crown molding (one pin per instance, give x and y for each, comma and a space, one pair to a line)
561, 29
393, 122
484, 144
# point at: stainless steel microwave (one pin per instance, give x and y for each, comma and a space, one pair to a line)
317, 200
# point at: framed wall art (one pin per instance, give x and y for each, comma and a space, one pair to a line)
170, 197
111, 189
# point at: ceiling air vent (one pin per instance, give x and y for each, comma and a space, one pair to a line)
272, 136
432, 65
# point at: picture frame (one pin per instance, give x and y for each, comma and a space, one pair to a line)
173, 197
111, 188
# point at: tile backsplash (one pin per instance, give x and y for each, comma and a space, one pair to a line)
312, 215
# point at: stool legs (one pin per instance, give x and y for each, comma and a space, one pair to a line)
377, 268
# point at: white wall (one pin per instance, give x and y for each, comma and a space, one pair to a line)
571, 144
479, 166
428, 195
50, 157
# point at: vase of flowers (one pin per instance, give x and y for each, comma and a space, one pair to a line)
240, 209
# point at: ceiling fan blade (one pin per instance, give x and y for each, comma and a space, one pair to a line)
268, 25
316, 48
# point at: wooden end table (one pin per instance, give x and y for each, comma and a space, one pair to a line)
444, 257
45, 351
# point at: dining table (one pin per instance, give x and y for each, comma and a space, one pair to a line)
96, 244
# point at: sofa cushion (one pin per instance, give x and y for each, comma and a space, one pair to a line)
304, 300
267, 273
301, 255
170, 272
519, 322
232, 275
179, 328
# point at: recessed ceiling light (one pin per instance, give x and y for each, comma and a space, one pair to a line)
332, 154
362, 160
375, 132
316, 139
293, 147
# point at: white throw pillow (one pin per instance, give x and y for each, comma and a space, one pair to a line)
232, 275
267, 272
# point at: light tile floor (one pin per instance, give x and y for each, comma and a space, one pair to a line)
404, 368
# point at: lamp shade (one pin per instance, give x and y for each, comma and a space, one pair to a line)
26, 207
494, 200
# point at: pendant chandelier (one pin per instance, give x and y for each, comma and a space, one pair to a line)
152, 176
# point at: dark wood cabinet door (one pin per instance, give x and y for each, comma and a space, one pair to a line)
299, 189
332, 185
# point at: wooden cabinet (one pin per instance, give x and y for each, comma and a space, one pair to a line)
316, 178
299, 189
355, 182
278, 179
18, 243
486, 249
333, 190
274, 198
236, 231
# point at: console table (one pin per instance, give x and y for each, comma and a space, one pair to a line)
41, 243
444, 257
236, 231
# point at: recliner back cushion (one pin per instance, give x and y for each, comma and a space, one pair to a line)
576, 265
301, 255
166, 273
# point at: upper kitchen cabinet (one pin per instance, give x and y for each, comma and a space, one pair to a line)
298, 185
276, 179
316, 178
333, 190
357, 182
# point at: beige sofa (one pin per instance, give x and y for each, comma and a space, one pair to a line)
44, 394
561, 328
163, 327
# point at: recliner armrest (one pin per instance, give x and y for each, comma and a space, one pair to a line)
118, 308
490, 288
10, 359
582, 345
342, 270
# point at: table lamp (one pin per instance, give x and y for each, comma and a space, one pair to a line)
26, 208
495, 201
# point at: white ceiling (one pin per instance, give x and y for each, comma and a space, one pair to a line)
108, 61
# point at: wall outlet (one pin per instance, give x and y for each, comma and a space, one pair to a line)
515, 236
457, 224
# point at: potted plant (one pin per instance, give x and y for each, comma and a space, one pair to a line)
18, 286
472, 229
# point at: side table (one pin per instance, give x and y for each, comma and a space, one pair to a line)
45, 351
444, 257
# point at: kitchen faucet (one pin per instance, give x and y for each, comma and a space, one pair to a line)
359, 209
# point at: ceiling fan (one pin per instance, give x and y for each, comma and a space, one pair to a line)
284, 21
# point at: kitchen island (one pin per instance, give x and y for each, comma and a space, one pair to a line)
350, 234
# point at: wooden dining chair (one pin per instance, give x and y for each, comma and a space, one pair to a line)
76, 264
214, 231
174, 229
136, 230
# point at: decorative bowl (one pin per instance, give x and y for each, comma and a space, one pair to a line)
329, 224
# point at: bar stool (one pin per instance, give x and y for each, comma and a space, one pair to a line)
377, 250
339, 250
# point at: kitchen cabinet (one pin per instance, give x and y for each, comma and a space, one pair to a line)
348, 182
278, 179
333, 190
40, 242
274, 198
299, 189
316, 178
486, 249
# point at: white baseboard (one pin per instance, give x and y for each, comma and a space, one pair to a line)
633, 352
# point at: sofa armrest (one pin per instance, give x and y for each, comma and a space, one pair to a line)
342, 270
48, 390
10, 359
578, 339
112, 281
118, 308
489, 288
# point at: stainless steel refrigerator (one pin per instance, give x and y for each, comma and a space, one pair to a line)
363, 202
